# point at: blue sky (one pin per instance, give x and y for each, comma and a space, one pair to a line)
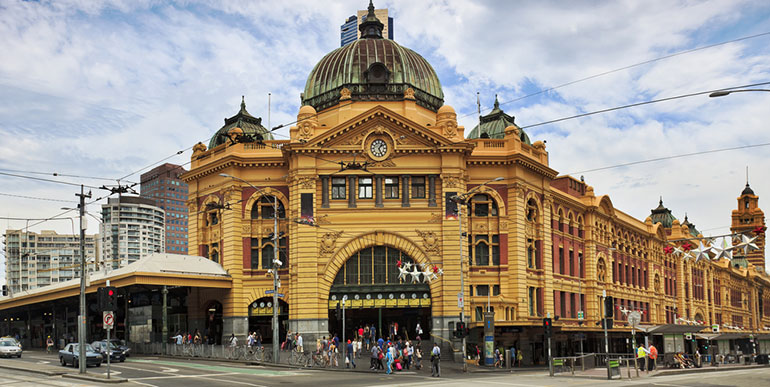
105, 88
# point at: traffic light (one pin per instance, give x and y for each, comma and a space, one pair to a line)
5, 290
609, 307
107, 298
460, 330
547, 326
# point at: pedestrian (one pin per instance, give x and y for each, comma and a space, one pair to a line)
179, 339
389, 359
410, 354
375, 360
350, 359
641, 353
653, 353
258, 338
300, 343
519, 357
367, 337
435, 360
360, 331
513, 355
48, 344
358, 346
418, 358
233, 340
497, 358
250, 341
418, 330
381, 343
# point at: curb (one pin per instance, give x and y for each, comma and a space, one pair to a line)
98, 379
33, 370
699, 370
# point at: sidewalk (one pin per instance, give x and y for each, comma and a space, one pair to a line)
601, 372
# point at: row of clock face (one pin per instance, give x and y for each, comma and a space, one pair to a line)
378, 148
380, 296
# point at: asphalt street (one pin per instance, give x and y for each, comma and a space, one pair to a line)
153, 371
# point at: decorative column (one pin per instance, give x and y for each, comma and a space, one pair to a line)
324, 191
351, 192
378, 192
432, 191
405, 191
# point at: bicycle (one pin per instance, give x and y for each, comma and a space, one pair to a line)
188, 350
262, 356
298, 359
320, 360
233, 353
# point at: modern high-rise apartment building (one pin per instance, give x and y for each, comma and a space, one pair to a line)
162, 184
349, 30
132, 228
33, 260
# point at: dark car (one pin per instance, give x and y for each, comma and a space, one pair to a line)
115, 353
71, 353
126, 349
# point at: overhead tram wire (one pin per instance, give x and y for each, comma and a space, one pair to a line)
670, 157
37, 198
46, 180
641, 104
626, 68
58, 174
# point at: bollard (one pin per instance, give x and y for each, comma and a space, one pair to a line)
508, 358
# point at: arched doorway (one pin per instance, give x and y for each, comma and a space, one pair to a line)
378, 295
214, 324
261, 318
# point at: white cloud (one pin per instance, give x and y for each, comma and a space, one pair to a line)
104, 88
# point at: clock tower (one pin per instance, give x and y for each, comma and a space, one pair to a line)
747, 219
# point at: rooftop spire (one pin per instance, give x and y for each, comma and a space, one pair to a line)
747, 190
243, 104
371, 27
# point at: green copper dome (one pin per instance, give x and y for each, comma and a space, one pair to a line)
250, 126
372, 69
662, 215
493, 125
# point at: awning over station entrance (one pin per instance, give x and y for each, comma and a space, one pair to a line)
671, 328
157, 269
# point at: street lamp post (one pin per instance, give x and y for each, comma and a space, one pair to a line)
723, 93
461, 200
276, 238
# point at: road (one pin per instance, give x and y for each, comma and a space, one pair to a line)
162, 372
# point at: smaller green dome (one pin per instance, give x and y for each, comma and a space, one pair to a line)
662, 215
493, 125
250, 125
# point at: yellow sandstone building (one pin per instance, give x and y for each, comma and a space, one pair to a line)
367, 188
365, 182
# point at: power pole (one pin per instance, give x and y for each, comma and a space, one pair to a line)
82, 318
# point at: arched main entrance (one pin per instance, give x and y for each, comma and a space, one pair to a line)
261, 318
377, 295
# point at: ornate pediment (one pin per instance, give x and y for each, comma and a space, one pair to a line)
404, 133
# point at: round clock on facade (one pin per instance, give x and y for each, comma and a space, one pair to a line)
379, 148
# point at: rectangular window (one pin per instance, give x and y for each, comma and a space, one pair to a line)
496, 290
496, 250
563, 306
267, 253
365, 258
365, 189
571, 263
306, 206
338, 188
580, 264
418, 187
561, 260
572, 305
482, 290
391, 188
531, 301
351, 270
380, 267
530, 254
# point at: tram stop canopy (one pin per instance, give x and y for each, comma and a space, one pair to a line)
157, 269
671, 328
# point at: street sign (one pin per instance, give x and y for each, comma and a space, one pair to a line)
269, 291
281, 295
109, 319
460, 300
580, 315
688, 336
634, 318
715, 328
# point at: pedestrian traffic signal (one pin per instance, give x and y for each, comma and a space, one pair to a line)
547, 326
5, 290
107, 298
609, 307
461, 330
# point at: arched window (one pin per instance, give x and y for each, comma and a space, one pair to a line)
375, 265
482, 205
263, 252
484, 242
482, 251
265, 207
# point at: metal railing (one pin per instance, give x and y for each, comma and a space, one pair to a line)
571, 363
239, 353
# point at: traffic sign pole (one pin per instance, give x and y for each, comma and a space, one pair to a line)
108, 320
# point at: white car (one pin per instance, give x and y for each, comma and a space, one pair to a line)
9, 348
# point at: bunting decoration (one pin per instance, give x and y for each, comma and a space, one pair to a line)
418, 272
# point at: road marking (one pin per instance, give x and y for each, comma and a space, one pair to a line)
146, 370
249, 371
235, 382
185, 376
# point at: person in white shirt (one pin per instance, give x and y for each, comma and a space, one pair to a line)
435, 359
299, 343
233, 340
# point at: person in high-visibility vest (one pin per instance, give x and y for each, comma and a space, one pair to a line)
641, 353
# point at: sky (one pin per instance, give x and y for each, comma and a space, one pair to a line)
108, 88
